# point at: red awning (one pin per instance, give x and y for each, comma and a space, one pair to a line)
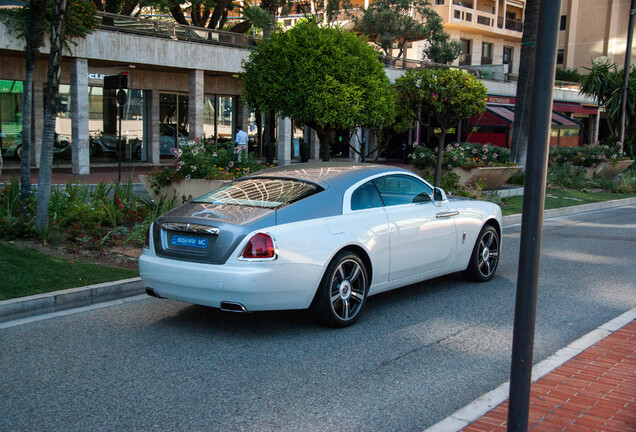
574, 108
507, 112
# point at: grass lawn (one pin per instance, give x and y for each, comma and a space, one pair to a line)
557, 198
26, 272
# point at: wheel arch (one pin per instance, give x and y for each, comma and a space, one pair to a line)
495, 224
364, 256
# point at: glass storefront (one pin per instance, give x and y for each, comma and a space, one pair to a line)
103, 122
103, 125
10, 118
219, 117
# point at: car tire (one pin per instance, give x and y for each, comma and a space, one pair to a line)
343, 291
485, 257
18, 152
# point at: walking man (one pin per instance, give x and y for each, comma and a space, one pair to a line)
241, 141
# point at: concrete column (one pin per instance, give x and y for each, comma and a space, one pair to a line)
242, 115
314, 143
284, 140
372, 140
355, 143
152, 127
195, 104
79, 116
38, 123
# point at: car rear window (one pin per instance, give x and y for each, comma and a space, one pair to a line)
261, 192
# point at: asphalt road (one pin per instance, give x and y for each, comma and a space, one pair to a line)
417, 355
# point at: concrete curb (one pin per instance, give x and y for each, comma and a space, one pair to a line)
566, 211
68, 299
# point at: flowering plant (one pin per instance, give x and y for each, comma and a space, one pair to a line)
464, 155
587, 156
201, 159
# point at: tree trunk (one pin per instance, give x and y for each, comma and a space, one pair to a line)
440, 153
50, 107
27, 119
519, 143
34, 39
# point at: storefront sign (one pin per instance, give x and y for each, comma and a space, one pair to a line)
501, 100
96, 76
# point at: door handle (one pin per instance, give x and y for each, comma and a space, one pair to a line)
446, 214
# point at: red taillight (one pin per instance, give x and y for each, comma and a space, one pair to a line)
260, 246
147, 241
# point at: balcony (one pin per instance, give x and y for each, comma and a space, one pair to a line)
467, 16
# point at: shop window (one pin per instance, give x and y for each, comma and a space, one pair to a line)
10, 117
486, 53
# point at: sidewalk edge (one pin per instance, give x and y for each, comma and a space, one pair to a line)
56, 301
483, 404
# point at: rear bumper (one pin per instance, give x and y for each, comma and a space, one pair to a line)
256, 285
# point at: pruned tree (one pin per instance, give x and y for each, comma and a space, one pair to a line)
325, 78
447, 96
388, 22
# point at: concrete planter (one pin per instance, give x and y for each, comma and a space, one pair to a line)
494, 177
186, 188
608, 168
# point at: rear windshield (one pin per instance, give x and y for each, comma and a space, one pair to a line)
261, 192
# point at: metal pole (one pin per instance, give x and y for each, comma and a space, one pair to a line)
625, 88
532, 217
120, 110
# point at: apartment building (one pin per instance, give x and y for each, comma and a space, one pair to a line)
593, 28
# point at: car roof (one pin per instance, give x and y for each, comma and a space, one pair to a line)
328, 175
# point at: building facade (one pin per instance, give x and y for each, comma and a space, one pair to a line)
593, 28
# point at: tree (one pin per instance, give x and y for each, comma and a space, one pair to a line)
447, 96
604, 82
322, 77
523, 101
76, 19
386, 22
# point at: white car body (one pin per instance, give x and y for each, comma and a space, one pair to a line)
403, 244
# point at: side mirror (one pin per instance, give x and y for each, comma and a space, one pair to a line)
439, 194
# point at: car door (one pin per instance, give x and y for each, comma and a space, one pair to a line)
422, 232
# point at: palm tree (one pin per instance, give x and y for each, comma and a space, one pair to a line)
519, 144
34, 38
58, 23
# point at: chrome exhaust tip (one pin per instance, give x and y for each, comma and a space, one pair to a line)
151, 292
232, 307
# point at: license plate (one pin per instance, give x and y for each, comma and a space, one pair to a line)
198, 242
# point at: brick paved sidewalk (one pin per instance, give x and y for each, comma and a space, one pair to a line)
594, 391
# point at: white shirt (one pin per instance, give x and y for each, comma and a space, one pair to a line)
241, 138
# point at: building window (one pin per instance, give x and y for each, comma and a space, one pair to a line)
464, 55
560, 55
486, 53
564, 20
507, 57
439, 2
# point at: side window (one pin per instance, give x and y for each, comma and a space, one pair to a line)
402, 189
366, 196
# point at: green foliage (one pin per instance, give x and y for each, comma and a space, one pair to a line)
604, 82
386, 22
91, 218
586, 156
570, 75
325, 78
568, 176
203, 159
447, 95
80, 18
465, 155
